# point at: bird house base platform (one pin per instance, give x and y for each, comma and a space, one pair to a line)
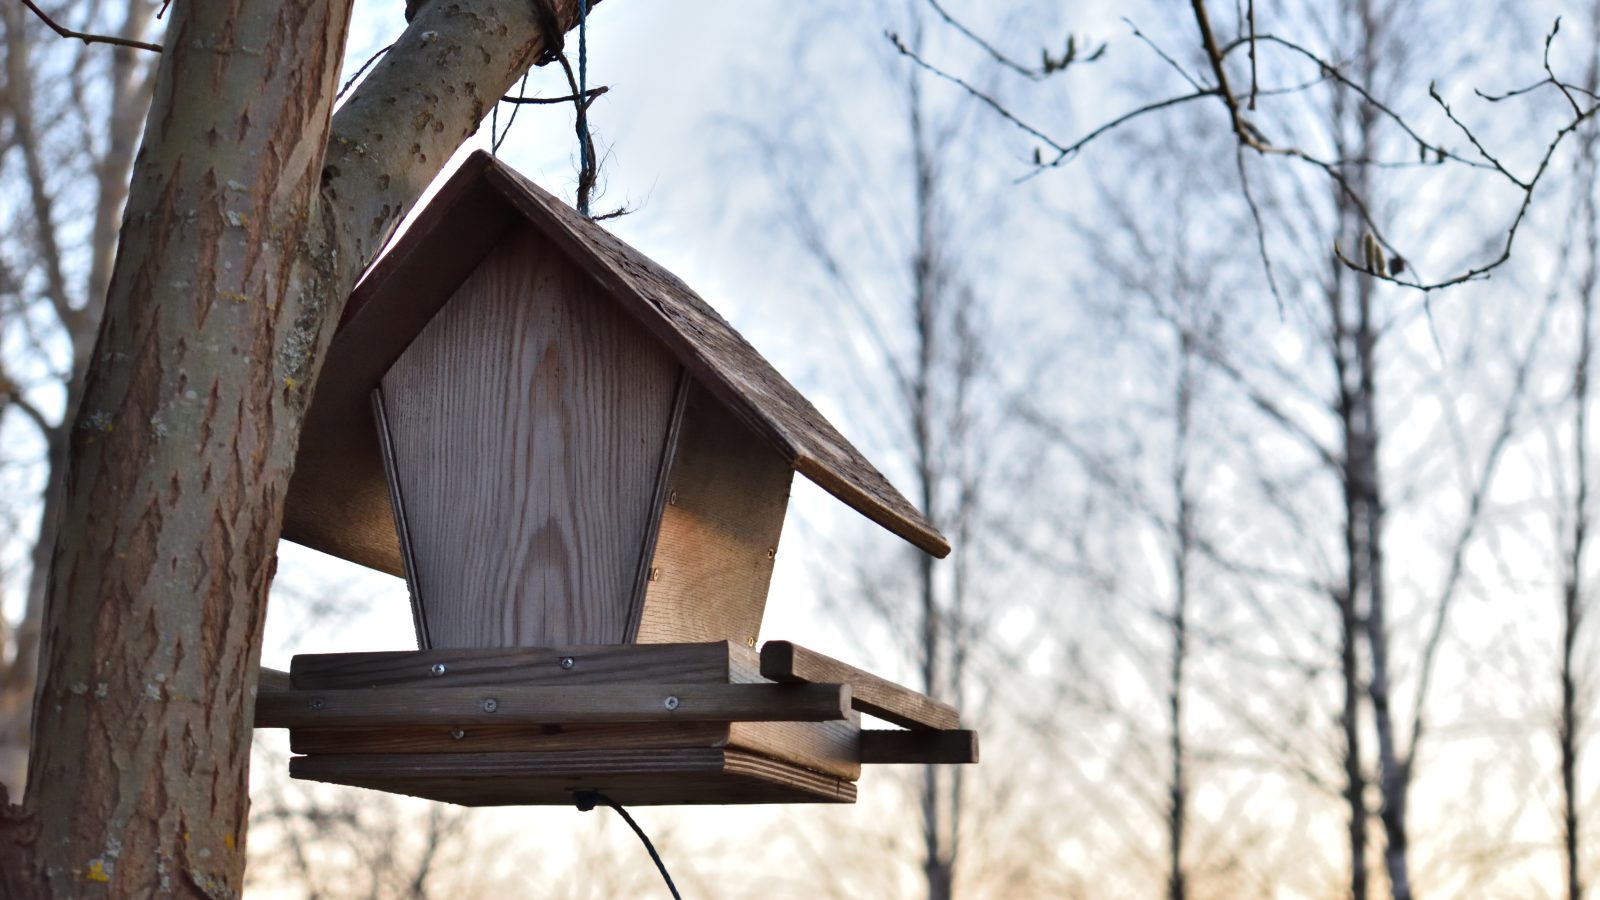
643, 724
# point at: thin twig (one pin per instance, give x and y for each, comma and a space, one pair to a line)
87, 37
1165, 57
1254, 87
589, 97
974, 92
984, 45
361, 71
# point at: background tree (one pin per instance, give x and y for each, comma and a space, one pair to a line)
71, 116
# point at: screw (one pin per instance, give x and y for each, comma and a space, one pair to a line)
437, 669
671, 703
490, 705
317, 703
567, 662
457, 733
672, 498
772, 553
655, 574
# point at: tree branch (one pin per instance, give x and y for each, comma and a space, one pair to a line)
87, 37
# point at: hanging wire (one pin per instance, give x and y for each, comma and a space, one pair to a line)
581, 96
497, 137
359, 72
587, 800
586, 160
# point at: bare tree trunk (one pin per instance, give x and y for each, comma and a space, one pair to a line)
245, 229
1362, 445
128, 87
1573, 602
1182, 550
1573, 597
938, 860
1347, 596
181, 456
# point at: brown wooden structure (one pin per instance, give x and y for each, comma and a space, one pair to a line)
581, 471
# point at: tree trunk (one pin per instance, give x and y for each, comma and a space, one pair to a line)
246, 227
1182, 552
128, 99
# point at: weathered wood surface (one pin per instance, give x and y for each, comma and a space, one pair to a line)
726, 495
338, 499
726, 363
891, 746
576, 704
707, 663
631, 777
273, 680
828, 747
787, 662
528, 421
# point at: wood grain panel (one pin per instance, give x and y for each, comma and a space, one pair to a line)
828, 747
727, 492
608, 704
528, 422
630, 777
598, 664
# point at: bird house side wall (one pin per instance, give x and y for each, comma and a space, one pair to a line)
726, 494
527, 425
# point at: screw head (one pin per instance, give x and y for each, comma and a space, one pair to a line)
457, 733
672, 498
568, 662
437, 669
671, 703
772, 553
317, 703
490, 705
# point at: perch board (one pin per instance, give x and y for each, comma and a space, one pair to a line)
687, 776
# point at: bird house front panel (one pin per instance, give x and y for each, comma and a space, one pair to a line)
526, 427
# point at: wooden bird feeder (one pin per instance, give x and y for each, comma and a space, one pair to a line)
581, 471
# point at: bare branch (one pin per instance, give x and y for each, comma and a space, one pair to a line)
88, 38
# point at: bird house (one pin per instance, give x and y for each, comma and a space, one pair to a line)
581, 471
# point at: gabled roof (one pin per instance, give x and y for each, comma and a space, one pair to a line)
339, 499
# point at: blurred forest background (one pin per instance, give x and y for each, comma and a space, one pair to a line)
1272, 575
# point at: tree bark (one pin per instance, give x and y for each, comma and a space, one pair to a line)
247, 224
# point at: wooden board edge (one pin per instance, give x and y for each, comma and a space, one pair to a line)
890, 746
658, 504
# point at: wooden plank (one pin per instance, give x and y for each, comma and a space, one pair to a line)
272, 680
338, 499
713, 557
577, 704
828, 747
787, 662
630, 777
658, 503
380, 422
528, 421
509, 738
890, 746
707, 663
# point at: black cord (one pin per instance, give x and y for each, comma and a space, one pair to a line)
587, 800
